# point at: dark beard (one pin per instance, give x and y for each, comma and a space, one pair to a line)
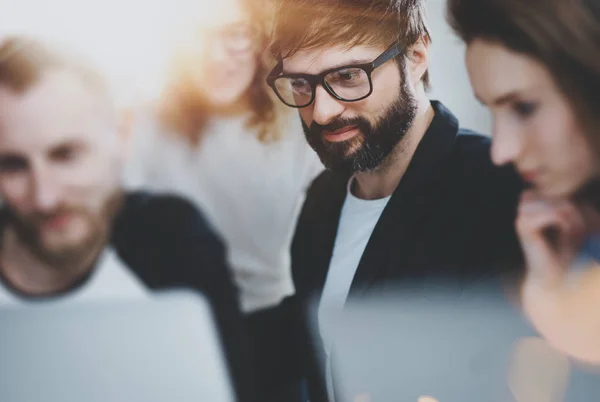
374, 143
27, 231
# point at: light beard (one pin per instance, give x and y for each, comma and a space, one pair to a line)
75, 254
369, 150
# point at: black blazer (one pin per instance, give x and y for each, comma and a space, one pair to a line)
450, 219
168, 244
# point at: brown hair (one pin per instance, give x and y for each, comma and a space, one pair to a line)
185, 112
564, 35
309, 24
24, 60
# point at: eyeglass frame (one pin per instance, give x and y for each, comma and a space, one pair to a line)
315, 79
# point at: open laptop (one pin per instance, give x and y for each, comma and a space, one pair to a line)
161, 349
452, 348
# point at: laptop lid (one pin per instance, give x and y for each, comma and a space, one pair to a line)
451, 348
160, 349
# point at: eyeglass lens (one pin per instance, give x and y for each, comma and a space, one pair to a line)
347, 84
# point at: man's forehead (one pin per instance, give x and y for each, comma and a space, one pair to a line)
314, 61
54, 87
56, 106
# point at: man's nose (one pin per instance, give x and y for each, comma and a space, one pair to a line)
45, 190
325, 107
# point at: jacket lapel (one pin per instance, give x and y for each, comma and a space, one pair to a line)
410, 202
317, 231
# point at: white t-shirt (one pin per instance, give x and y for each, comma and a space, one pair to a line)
357, 221
110, 280
250, 192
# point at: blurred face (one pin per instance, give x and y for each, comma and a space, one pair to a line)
355, 136
59, 165
534, 125
224, 62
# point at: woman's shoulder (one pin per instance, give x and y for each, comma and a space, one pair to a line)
154, 152
152, 139
291, 126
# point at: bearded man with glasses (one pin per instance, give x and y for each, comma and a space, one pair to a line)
409, 198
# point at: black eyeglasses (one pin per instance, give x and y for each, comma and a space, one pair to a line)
348, 83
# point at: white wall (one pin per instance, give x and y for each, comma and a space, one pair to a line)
121, 35
449, 80
127, 40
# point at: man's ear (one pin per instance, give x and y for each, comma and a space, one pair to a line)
418, 55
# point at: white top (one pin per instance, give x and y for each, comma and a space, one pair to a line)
249, 191
357, 221
110, 280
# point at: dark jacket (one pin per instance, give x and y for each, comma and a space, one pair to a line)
450, 220
168, 244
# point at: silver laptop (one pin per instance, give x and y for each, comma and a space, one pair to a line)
162, 349
450, 348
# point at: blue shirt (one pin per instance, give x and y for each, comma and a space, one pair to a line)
591, 247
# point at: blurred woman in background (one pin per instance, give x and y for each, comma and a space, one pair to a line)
536, 65
218, 137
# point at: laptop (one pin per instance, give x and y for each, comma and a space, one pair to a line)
447, 347
160, 349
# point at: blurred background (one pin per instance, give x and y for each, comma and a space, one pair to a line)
450, 82
129, 40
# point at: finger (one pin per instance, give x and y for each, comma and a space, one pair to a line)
533, 195
574, 224
535, 207
536, 218
538, 205
529, 195
534, 221
543, 261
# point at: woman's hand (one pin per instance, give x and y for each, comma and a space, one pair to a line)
551, 235
562, 305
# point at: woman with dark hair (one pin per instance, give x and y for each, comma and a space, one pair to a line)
219, 137
536, 65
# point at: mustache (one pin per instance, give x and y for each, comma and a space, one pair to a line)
338, 124
111, 207
41, 217
30, 223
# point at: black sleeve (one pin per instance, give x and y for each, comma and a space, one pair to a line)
169, 245
281, 338
496, 244
276, 336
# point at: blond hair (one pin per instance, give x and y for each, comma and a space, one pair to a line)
311, 24
24, 60
184, 112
